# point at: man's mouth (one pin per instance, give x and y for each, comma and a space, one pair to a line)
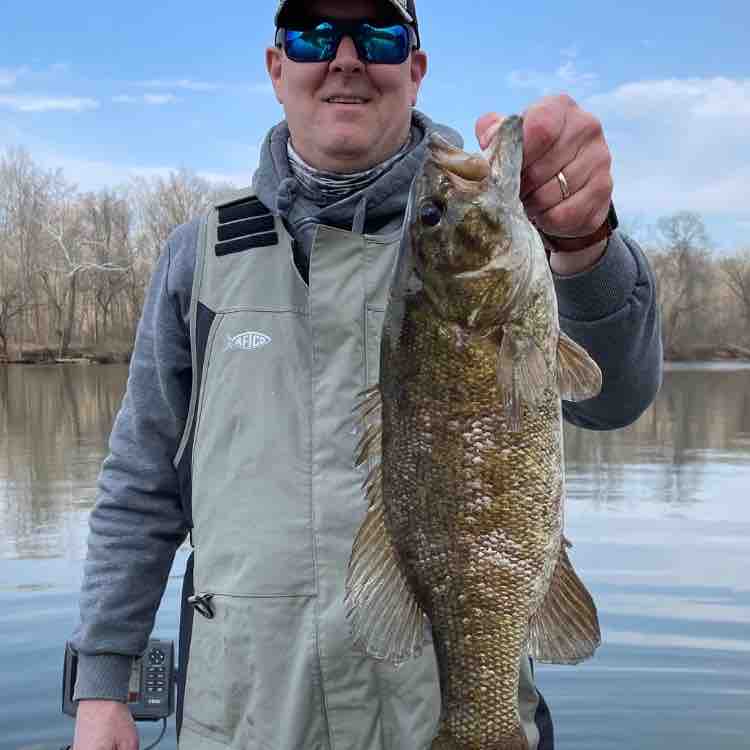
346, 100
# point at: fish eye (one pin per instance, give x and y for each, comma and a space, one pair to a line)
431, 213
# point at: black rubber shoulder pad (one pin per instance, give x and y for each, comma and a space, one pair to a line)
244, 224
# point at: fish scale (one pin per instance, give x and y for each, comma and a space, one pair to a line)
465, 525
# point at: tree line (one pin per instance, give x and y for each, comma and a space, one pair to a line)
74, 266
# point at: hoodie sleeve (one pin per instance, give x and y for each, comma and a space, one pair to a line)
611, 310
137, 523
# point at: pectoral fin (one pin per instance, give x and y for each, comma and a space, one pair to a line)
578, 376
522, 373
565, 629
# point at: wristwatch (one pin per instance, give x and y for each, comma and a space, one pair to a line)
573, 244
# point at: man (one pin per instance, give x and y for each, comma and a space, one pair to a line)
261, 325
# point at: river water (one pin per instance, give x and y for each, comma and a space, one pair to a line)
659, 514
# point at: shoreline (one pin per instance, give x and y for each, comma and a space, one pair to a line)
727, 354
74, 357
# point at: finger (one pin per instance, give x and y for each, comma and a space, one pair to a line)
581, 214
577, 172
486, 127
581, 131
555, 161
577, 175
543, 125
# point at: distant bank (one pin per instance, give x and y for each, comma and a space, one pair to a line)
84, 356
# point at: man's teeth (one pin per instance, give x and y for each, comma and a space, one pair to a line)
346, 99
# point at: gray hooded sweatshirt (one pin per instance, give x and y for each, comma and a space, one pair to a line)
138, 523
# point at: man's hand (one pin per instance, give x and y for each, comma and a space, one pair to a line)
561, 137
104, 725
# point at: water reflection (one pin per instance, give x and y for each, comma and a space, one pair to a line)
700, 417
54, 424
658, 514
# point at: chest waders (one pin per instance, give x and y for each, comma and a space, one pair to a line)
268, 481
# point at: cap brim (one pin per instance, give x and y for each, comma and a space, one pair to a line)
395, 3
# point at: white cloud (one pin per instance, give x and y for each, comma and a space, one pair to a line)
679, 144
91, 174
7, 77
160, 98
188, 84
704, 98
157, 99
566, 77
184, 83
33, 103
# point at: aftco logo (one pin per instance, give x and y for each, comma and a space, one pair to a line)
247, 341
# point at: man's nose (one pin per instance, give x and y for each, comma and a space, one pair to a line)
347, 59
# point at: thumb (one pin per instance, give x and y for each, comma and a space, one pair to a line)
486, 127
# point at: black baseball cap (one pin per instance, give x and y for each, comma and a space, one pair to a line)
404, 8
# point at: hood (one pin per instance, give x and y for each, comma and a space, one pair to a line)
375, 207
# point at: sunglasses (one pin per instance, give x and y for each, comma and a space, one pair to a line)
319, 41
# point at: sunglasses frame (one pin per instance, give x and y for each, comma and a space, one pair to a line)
346, 28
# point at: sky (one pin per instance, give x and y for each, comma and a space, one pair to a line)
107, 91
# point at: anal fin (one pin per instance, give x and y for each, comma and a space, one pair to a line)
387, 621
565, 629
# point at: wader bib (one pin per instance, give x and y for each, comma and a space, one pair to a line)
268, 481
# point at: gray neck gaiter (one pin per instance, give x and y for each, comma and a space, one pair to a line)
324, 188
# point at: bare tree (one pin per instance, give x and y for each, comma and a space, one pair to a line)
108, 217
162, 203
24, 200
681, 267
736, 272
74, 268
70, 256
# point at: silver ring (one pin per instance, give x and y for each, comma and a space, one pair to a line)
564, 189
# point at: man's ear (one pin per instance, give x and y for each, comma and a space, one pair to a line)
418, 72
274, 64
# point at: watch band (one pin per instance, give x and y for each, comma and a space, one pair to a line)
573, 244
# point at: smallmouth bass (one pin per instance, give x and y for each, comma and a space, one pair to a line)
464, 439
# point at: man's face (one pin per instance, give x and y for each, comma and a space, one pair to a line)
371, 119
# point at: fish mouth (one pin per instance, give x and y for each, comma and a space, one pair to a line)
457, 163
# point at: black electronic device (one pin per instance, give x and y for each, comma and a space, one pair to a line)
151, 690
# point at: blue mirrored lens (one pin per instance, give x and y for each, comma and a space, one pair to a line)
312, 45
375, 44
384, 44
